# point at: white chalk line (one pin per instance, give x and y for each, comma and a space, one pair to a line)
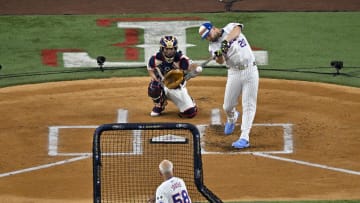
306, 163
287, 136
54, 137
53, 148
122, 116
44, 166
288, 147
215, 120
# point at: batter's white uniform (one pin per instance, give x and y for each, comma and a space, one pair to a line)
243, 78
172, 190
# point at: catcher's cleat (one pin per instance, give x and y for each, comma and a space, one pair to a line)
241, 144
230, 125
189, 113
156, 111
154, 114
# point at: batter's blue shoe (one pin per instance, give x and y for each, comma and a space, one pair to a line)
241, 144
230, 126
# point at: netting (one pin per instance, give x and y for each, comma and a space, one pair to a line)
130, 159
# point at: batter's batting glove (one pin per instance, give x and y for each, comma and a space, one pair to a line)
224, 46
218, 53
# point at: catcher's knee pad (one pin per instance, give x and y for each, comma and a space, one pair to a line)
156, 91
189, 113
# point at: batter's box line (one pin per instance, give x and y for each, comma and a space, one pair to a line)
287, 137
287, 149
54, 135
122, 117
288, 146
54, 139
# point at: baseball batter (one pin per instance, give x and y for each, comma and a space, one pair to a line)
167, 59
230, 45
173, 189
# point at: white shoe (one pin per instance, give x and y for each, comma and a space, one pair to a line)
154, 114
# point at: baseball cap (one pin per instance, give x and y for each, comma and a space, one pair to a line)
204, 30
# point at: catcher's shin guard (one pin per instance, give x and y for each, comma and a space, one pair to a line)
189, 113
156, 92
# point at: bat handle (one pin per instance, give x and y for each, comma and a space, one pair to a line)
207, 61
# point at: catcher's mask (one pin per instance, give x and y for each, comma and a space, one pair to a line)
168, 47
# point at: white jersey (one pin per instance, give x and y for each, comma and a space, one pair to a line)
243, 78
172, 190
239, 53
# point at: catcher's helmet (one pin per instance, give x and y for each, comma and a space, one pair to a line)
168, 42
168, 47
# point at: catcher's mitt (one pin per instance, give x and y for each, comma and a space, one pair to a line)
173, 78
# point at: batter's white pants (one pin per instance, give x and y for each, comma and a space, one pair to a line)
244, 84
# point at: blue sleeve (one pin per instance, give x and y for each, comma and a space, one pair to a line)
151, 63
184, 61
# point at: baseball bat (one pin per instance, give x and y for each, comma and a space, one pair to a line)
202, 65
193, 73
207, 61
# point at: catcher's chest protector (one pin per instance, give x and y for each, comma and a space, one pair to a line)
165, 66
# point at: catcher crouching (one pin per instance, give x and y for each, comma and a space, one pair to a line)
169, 70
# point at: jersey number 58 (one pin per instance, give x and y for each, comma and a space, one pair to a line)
181, 197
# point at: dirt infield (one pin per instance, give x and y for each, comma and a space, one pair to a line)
324, 133
305, 144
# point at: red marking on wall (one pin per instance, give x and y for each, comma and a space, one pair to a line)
132, 54
131, 39
103, 22
256, 48
106, 22
131, 35
49, 56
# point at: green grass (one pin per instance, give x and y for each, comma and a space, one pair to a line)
305, 42
300, 45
